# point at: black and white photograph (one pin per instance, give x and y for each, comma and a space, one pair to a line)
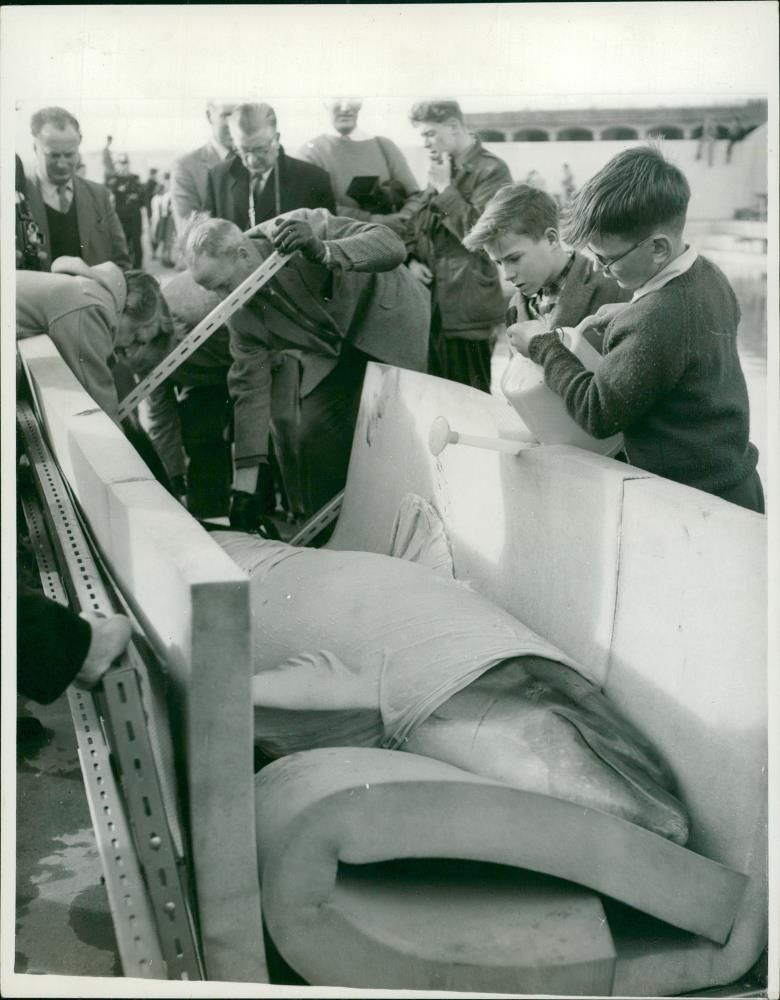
389, 498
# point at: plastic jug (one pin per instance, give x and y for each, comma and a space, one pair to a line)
542, 410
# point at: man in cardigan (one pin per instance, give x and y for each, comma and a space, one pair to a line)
303, 342
519, 231
75, 215
262, 180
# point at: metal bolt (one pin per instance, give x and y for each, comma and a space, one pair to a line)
155, 842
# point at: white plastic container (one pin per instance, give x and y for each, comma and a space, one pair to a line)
543, 410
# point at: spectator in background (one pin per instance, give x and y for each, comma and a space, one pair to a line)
151, 186
709, 133
129, 199
468, 301
108, 160
736, 132
74, 215
161, 223
189, 173
345, 154
261, 180
568, 187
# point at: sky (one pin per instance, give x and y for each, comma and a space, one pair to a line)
144, 73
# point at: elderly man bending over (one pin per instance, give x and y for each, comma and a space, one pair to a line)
300, 346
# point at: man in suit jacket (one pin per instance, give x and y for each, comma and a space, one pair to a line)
189, 173
75, 215
301, 345
262, 181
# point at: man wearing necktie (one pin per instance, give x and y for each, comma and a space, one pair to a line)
75, 215
260, 181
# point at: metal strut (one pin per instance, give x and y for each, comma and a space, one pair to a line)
149, 902
208, 325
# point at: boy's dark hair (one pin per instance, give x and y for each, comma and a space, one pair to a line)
636, 191
435, 111
143, 296
514, 208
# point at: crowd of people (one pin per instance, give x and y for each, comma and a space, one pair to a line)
261, 417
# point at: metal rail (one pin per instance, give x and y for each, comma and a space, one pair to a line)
146, 886
208, 325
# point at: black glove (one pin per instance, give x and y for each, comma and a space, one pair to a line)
245, 516
295, 234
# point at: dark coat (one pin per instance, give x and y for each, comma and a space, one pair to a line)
584, 292
466, 286
100, 231
301, 185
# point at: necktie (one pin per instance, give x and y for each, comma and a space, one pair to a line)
256, 185
64, 196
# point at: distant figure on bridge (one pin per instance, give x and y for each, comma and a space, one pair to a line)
670, 379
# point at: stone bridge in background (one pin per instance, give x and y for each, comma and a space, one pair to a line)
589, 124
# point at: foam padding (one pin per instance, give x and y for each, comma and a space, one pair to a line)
322, 808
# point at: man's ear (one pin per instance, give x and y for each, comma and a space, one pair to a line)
552, 237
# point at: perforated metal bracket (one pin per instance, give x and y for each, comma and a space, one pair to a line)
134, 925
126, 726
318, 522
207, 326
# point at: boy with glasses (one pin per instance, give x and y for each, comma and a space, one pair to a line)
671, 378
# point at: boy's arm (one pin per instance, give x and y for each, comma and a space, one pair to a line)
639, 367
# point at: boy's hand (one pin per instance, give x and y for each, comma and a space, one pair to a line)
601, 318
521, 334
440, 173
421, 271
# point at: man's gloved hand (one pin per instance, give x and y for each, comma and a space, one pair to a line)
295, 234
245, 515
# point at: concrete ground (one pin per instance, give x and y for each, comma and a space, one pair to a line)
63, 921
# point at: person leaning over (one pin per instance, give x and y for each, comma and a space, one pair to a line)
467, 298
303, 342
671, 379
519, 230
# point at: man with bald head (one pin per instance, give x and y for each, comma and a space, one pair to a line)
261, 180
189, 173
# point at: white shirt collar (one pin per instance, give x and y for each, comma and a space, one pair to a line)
219, 149
673, 269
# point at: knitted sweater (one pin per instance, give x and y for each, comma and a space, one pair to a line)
343, 159
670, 380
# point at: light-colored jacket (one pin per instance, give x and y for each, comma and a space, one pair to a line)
80, 314
100, 231
189, 176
